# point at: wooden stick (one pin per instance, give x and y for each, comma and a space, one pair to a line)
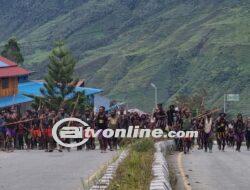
73, 111
203, 115
24, 121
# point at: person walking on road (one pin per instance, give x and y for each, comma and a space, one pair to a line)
160, 117
123, 119
113, 124
186, 126
208, 133
230, 134
89, 119
221, 127
171, 116
248, 134
239, 128
2, 132
200, 128
101, 121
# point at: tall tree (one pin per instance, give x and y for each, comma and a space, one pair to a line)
12, 51
59, 83
59, 87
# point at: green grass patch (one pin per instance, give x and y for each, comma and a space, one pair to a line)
134, 172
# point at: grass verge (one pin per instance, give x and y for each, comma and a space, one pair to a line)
134, 173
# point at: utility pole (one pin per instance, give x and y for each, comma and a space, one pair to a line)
224, 103
154, 86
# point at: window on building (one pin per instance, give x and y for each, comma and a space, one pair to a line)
5, 83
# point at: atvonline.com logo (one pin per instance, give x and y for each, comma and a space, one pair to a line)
63, 130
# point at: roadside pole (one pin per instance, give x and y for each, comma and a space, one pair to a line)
154, 86
224, 103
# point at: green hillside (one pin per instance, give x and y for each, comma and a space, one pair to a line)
123, 45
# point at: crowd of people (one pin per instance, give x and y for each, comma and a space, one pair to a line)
33, 129
226, 132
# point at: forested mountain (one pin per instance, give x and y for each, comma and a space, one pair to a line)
122, 46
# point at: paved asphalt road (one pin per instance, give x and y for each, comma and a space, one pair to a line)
37, 170
227, 170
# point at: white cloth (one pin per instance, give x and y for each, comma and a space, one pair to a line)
208, 125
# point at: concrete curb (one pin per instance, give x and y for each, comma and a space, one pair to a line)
104, 181
160, 171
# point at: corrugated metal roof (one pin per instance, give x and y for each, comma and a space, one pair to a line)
9, 69
33, 88
7, 61
2, 64
12, 71
13, 100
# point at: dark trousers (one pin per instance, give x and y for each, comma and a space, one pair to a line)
231, 141
239, 138
27, 141
208, 142
248, 139
187, 144
113, 143
221, 140
20, 141
79, 147
200, 139
2, 140
221, 143
248, 144
103, 142
90, 144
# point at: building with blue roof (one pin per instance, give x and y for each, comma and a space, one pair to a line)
33, 88
14, 85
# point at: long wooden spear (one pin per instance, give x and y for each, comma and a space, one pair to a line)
208, 113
